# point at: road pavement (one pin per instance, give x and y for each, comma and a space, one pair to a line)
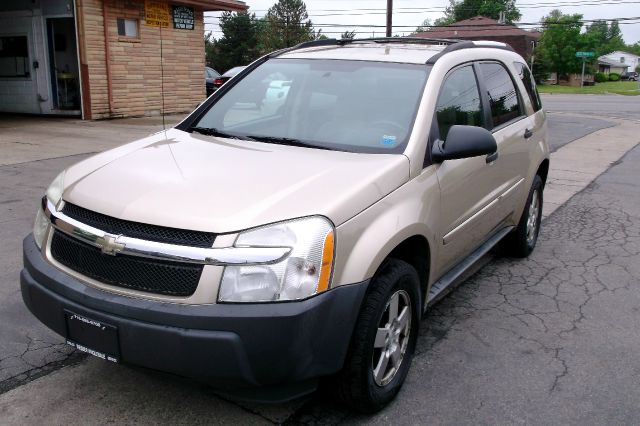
507, 336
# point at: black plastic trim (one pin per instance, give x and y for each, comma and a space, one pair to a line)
231, 346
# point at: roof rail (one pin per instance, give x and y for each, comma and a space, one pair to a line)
452, 44
468, 44
342, 42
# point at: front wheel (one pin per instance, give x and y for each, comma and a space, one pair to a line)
383, 340
522, 241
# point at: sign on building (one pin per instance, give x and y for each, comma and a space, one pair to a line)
156, 13
183, 17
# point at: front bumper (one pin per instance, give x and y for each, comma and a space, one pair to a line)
230, 346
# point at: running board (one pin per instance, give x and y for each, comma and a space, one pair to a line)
444, 285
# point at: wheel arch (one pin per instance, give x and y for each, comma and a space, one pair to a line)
543, 171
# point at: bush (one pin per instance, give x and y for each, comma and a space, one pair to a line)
614, 77
601, 77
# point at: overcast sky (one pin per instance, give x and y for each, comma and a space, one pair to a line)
408, 14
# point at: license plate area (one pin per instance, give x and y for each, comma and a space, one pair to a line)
92, 336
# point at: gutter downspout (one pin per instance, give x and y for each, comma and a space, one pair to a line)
107, 55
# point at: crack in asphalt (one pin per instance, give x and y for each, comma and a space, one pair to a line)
57, 355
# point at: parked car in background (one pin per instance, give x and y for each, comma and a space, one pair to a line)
209, 77
226, 76
629, 76
296, 226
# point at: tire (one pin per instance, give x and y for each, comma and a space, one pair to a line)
522, 240
358, 385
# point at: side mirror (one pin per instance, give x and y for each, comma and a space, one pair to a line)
464, 142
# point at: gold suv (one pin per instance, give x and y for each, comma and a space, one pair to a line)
299, 222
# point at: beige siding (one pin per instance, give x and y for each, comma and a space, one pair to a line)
136, 74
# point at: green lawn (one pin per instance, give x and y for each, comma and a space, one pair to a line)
629, 88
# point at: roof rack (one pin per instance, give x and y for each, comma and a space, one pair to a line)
452, 44
344, 41
468, 44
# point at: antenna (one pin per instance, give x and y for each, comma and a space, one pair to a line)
164, 126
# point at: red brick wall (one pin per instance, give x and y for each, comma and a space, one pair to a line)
136, 82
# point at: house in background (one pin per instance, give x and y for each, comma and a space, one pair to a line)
482, 28
618, 62
101, 58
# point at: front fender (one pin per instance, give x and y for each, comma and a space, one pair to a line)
365, 241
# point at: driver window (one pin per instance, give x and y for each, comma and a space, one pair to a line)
459, 101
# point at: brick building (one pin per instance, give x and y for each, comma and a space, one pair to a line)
482, 28
102, 58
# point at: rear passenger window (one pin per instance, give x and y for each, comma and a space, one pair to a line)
529, 84
503, 97
459, 101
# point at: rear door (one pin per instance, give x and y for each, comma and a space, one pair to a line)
514, 132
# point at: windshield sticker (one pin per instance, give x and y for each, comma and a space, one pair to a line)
388, 140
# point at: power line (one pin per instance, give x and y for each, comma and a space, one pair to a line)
556, 4
620, 21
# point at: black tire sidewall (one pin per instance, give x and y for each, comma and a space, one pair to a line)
397, 275
537, 185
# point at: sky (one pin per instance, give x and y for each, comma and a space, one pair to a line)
408, 14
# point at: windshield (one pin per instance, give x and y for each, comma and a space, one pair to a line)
357, 106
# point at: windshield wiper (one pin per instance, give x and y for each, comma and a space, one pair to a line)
287, 141
212, 131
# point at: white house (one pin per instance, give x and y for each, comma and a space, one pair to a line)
624, 59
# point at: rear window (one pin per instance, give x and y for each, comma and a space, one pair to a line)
529, 85
503, 96
358, 106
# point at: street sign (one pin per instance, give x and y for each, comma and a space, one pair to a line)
585, 54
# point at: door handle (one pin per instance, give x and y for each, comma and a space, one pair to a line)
528, 133
492, 157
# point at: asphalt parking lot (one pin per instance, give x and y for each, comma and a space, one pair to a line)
548, 340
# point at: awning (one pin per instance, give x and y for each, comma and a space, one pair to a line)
215, 5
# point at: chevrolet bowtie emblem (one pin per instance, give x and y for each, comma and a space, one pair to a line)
109, 244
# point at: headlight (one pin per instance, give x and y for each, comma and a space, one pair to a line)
304, 273
40, 227
54, 192
54, 195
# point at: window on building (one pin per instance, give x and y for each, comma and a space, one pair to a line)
14, 56
128, 27
529, 84
622, 59
459, 101
503, 96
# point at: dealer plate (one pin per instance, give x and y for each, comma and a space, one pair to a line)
92, 336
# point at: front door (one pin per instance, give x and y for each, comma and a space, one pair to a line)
469, 187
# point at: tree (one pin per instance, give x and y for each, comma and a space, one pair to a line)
459, 10
239, 42
209, 49
602, 38
348, 35
559, 42
425, 26
288, 24
634, 48
614, 36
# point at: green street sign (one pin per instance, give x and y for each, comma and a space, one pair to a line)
585, 54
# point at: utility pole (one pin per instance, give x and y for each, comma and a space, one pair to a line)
389, 20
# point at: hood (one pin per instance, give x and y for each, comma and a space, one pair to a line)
211, 184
